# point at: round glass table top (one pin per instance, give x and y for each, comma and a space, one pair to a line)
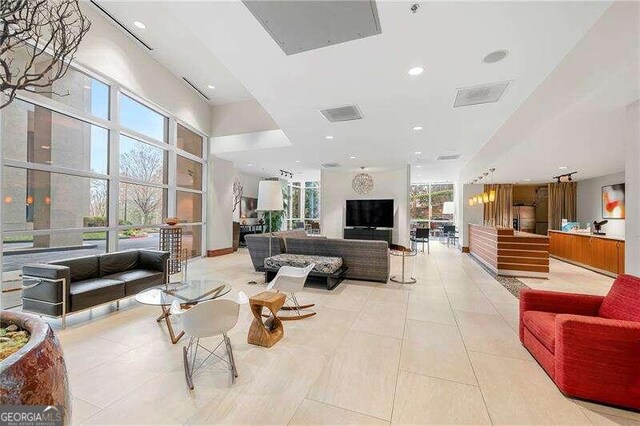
191, 292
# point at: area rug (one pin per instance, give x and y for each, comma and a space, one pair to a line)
512, 284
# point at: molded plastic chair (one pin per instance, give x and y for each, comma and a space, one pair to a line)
207, 319
290, 280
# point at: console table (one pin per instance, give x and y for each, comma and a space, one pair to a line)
369, 234
250, 229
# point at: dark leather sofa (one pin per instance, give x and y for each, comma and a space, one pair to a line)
91, 281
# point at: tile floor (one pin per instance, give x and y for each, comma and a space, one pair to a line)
442, 351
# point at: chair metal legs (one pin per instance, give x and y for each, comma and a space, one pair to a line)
295, 306
190, 352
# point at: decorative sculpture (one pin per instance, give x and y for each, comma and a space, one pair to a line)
38, 41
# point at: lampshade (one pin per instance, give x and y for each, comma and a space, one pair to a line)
448, 207
471, 201
485, 197
492, 195
270, 195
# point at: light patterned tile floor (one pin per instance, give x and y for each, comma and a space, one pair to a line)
444, 350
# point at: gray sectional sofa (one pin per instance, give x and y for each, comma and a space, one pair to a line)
366, 260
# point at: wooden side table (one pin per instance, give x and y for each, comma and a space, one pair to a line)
269, 332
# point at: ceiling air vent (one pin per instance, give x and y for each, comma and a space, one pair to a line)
483, 94
448, 157
330, 165
344, 113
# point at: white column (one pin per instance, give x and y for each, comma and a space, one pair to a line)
470, 214
632, 191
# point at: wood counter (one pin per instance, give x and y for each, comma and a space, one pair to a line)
510, 253
596, 252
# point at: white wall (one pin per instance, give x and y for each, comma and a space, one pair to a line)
336, 190
220, 214
220, 203
240, 117
470, 214
249, 189
589, 200
632, 190
108, 51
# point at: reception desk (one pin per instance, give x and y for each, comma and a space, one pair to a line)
510, 253
596, 252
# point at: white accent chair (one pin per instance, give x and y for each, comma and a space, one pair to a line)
290, 280
207, 319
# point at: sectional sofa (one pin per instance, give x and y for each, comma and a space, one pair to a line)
366, 260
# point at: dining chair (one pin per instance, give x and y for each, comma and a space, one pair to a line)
422, 236
208, 319
290, 280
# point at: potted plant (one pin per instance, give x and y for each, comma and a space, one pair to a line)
237, 196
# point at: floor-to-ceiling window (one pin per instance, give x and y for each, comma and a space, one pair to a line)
303, 204
88, 168
427, 204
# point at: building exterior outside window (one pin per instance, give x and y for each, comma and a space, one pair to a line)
77, 181
426, 204
303, 205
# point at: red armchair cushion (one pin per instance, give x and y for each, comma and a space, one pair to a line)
623, 300
543, 326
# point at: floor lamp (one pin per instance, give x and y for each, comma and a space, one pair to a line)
270, 199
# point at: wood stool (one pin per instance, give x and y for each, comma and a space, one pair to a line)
269, 332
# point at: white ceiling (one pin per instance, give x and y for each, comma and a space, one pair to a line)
175, 47
448, 39
578, 117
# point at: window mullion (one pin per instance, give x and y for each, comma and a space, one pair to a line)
114, 170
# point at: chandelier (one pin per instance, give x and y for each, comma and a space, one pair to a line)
362, 183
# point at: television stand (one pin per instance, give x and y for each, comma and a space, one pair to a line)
368, 234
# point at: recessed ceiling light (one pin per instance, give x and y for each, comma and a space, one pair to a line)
211, 86
328, 137
250, 164
527, 180
494, 57
139, 25
352, 157
416, 71
563, 167
418, 152
417, 128
297, 161
419, 166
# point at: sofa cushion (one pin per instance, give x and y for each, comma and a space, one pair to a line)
137, 280
323, 264
543, 326
82, 268
623, 300
94, 291
112, 263
293, 233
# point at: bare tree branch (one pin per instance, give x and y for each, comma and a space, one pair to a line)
38, 42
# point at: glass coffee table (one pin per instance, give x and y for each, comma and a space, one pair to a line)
187, 293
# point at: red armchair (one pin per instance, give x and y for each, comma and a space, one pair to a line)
589, 345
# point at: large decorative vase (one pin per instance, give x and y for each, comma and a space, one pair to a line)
36, 374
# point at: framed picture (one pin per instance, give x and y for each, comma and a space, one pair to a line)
248, 208
613, 206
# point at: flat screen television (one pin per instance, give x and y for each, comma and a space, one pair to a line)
370, 213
